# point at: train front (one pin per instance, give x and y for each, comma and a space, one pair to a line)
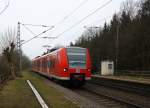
79, 65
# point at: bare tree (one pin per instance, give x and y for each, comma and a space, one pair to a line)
130, 7
7, 45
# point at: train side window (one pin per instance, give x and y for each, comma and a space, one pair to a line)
52, 63
37, 63
110, 66
44, 63
49, 63
40, 63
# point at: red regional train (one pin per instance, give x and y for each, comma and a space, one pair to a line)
71, 64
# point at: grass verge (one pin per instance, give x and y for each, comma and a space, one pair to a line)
17, 94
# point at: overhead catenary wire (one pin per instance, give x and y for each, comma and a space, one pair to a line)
66, 29
6, 6
102, 6
67, 16
38, 35
35, 35
36, 25
73, 11
29, 30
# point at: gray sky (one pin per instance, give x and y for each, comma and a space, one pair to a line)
50, 12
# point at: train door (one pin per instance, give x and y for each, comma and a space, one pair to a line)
48, 65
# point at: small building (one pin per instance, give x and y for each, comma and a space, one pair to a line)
107, 68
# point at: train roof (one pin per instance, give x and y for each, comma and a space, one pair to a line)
53, 50
75, 47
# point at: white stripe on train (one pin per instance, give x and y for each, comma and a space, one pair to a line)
57, 77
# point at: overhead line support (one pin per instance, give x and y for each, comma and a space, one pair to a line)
19, 46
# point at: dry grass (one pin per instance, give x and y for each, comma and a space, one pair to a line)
17, 94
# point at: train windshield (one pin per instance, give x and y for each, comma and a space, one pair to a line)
77, 57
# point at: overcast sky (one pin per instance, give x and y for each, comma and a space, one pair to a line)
51, 12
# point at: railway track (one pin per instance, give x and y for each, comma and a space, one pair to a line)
131, 86
88, 98
105, 101
119, 93
94, 95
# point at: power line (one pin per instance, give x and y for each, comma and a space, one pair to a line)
84, 18
66, 29
36, 25
6, 6
38, 35
35, 36
67, 16
73, 11
29, 30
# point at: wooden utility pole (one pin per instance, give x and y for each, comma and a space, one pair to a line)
117, 46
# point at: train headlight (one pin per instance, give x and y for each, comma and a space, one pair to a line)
89, 70
65, 69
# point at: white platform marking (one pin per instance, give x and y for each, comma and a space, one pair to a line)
39, 98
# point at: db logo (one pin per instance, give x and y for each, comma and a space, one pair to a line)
77, 70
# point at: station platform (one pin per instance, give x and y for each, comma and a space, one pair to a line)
136, 79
